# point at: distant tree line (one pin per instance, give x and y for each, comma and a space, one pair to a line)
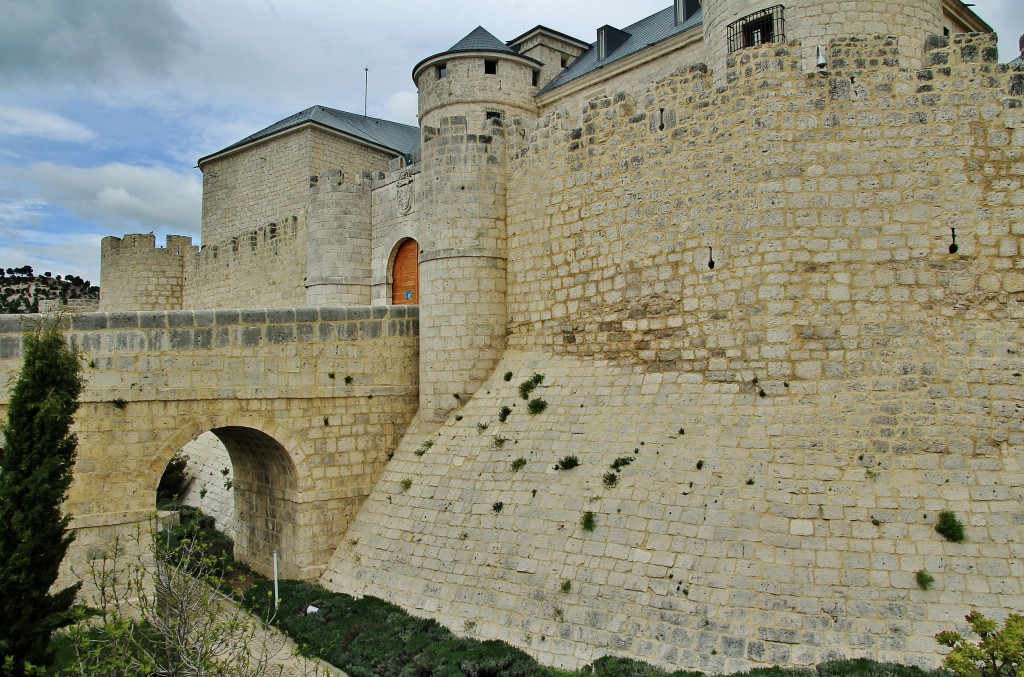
21, 289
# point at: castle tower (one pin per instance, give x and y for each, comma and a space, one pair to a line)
137, 275
465, 96
339, 240
731, 25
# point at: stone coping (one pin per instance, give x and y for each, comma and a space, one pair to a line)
174, 319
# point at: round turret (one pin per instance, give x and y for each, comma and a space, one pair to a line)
732, 25
479, 77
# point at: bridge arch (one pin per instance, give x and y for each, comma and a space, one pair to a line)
268, 478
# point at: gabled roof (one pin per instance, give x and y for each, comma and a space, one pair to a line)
480, 40
393, 136
1016, 62
642, 34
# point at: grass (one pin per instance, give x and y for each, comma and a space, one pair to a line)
518, 464
503, 413
924, 579
536, 406
610, 479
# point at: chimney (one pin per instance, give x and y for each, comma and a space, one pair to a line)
684, 9
609, 39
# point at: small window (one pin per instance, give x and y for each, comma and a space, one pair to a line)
493, 115
534, 78
442, 71
756, 29
490, 67
945, 32
565, 61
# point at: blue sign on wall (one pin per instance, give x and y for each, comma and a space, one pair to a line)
408, 296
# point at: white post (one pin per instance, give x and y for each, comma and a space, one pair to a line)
277, 600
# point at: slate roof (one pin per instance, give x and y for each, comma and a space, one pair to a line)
395, 136
479, 40
1016, 62
643, 34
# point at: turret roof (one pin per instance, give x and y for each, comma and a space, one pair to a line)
480, 40
394, 136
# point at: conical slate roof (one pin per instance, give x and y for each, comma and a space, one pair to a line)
479, 40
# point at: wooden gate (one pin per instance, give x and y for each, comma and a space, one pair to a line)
405, 288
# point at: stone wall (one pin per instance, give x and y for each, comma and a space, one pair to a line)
309, 403
135, 274
269, 181
233, 273
395, 214
749, 299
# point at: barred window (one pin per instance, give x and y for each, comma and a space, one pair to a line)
758, 28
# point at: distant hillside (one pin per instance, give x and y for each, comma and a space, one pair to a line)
21, 290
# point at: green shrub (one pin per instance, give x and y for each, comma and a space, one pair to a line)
567, 462
622, 462
497, 507
503, 413
536, 406
518, 464
406, 484
865, 667
527, 386
587, 521
507, 376
999, 652
610, 479
924, 579
950, 527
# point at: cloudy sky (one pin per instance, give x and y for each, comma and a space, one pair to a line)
105, 105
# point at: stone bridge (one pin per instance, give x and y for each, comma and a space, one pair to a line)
309, 403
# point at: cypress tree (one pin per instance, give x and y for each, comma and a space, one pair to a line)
35, 473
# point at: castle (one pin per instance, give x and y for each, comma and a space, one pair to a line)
765, 261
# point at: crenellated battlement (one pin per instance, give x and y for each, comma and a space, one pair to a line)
135, 274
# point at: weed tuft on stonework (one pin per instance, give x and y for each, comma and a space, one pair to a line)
497, 507
536, 406
528, 386
405, 484
924, 579
950, 527
423, 448
567, 462
503, 413
588, 522
507, 376
610, 479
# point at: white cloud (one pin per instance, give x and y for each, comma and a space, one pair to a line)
402, 106
59, 253
15, 121
118, 197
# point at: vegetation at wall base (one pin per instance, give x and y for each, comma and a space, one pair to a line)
36, 460
368, 637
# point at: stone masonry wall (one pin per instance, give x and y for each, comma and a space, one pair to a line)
233, 273
395, 216
751, 297
270, 181
137, 275
308, 401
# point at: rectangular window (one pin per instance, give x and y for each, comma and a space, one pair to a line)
493, 115
758, 28
534, 78
490, 67
442, 71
